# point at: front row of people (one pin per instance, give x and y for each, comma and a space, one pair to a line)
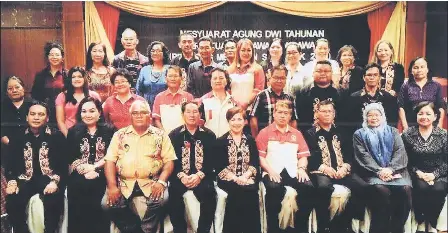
140, 160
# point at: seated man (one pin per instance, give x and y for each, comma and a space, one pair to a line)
283, 157
142, 155
35, 167
193, 170
330, 163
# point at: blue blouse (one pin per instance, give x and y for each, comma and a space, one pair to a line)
150, 83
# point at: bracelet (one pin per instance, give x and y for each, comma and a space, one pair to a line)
163, 183
303, 168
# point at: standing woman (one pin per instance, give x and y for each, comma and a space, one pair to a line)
76, 88
419, 87
152, 78
247, 76
88, 141
237, 168
276, 56
382, 160
49, 82
99, 70
392, 73
322, 53
427, 147
295, 80
351, 74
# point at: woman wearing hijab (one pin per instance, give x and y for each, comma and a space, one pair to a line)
382, 159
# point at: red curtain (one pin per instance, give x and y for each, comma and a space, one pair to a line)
109, 17
377, 21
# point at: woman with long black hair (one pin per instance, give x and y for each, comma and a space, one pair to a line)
87, 143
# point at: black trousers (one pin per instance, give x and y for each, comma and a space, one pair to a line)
428, 200
53, 204
205, 193
355, 207
389, 206
242, 213
84, 205
275, 193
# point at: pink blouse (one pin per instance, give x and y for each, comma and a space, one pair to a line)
70, 109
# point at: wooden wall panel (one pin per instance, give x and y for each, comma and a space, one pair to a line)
415, 32
73, 33
25, 28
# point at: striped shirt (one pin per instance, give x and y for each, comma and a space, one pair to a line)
263, 107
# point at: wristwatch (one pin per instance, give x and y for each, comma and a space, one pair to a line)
163, 183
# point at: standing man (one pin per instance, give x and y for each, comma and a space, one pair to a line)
284, 159
198, 83
263, 108
130, 58
35, 166
371, 93
230, 52
193, 170
167, 104
138, 163
186, 45
321, 89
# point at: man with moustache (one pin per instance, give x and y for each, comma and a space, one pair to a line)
371, 93
229, 52
321, 89
130, 58
331, 163
193, 170
186, 45
198, 78
35, 166
261, 114
284, 160
139, 161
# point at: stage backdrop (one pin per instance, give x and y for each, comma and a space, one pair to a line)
246, 20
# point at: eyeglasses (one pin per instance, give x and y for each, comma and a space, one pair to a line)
292, 53
120, 82
156, 51
142, 113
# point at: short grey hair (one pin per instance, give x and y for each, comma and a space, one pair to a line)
138, 102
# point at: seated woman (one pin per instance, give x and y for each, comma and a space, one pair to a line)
382, 160
237, 168
216, 103
419, 87
14, 109
77, 88
331, 163
427, 148
87, 143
